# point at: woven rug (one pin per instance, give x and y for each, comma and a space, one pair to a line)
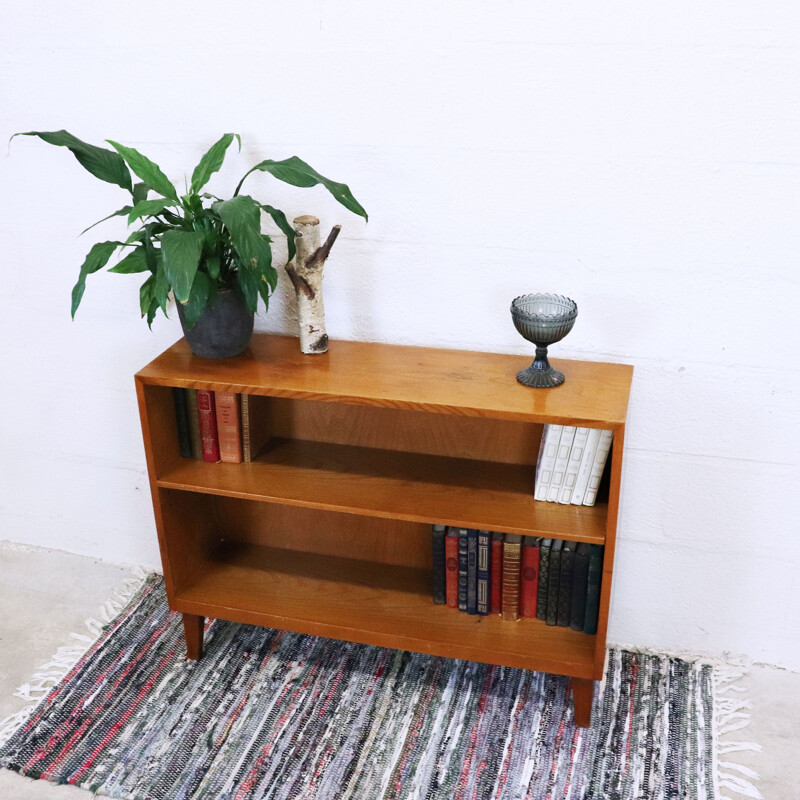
268, 714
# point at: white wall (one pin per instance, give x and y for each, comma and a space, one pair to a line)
643, 158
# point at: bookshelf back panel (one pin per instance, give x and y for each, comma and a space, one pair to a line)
326, 533
505, 441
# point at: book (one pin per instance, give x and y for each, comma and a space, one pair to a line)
565, 585
496, 572
208, 425
472, 571
512, 557
551, 434
256, 413
529, 572
439, 565
229, 429
573, 465
244, 412
182, 421
484, 576
451, 556
462, 569
544, 578
585, 468
580, 572
593, 581
553, 582
598, 465
560, 467
194, 424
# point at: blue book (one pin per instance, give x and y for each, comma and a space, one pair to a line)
462, 569
484, 575
472, 571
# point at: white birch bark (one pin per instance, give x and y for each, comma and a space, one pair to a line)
306, 276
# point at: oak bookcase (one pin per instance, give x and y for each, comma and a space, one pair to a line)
328, 530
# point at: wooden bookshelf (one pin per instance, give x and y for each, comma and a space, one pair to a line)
327, 531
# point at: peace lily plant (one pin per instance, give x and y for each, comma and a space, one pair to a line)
195, 244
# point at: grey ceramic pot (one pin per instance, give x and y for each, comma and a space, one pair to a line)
224, 329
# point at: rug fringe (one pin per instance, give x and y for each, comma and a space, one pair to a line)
731, 714
65, 658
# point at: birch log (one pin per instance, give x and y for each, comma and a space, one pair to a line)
306, 277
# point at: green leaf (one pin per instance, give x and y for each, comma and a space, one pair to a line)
248, 282
151, 313
193, 309
181, 252
147, 170
280, 220
139, 192
103, 164
135, 261
242, 217
213, 267
296, 172
96, 259
146, 294
147, 208
211, 162
161, 287
124, 210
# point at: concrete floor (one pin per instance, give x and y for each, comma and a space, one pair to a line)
45, 595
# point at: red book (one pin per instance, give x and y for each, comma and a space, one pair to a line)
451, 562
496, 575
229, 429
529, 577
208, 425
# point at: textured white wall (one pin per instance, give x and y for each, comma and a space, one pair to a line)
642, 158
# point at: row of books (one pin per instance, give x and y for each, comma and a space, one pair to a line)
570, 464
213, 426
481, 572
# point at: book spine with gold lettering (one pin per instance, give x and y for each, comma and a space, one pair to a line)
229, 429
208, 425
512, 557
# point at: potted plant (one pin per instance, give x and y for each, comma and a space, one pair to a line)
208, 251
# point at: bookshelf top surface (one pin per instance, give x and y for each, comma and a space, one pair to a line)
426, 379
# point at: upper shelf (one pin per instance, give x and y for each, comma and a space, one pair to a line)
595, 394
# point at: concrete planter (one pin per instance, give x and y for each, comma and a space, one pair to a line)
224, 329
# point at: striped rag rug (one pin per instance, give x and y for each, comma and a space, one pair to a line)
269, 714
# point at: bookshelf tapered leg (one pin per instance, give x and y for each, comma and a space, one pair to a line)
582, 696
193, 630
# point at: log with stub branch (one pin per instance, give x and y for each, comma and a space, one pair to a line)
306, 276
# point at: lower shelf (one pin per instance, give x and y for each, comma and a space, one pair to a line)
378, 604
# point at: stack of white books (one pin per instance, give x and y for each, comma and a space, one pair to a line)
570, 464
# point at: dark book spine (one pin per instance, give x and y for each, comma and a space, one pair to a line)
529, 586
451, 554
194, 424
565, 584
496, 569
484, 574
462, 569
544, 578
182, 421
472, 571
439, 566
593, 581
580, 572
512, 558
552, 584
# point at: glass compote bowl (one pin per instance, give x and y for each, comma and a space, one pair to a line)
543, 319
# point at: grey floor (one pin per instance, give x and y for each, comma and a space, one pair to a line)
45, 595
